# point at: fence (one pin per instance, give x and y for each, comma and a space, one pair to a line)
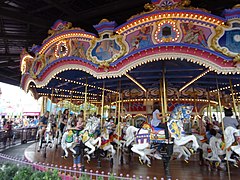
20, 135
69, 173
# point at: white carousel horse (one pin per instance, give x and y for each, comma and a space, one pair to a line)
69, 140
146, 135
230, 135
47, 137
175, 126
88, 136
182, 151
142, 145
217, 147
116, 137
106, 142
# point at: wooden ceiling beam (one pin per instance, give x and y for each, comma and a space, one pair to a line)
24, 18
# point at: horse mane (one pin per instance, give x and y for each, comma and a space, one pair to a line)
178, 111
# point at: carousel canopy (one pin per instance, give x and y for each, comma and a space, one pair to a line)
24, 23
194, 49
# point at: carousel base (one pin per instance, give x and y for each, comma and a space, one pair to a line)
179, 169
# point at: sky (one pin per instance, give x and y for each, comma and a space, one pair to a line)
14, 101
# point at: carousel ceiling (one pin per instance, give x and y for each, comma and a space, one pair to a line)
24, 23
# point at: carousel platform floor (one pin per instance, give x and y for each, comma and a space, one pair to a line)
178, 168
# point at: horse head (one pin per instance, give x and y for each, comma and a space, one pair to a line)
92, 124
177, 116
181, 112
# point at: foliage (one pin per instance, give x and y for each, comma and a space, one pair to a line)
23, 173
84, 177
100, 178
8, 171
38, 175
112, 177
15, 172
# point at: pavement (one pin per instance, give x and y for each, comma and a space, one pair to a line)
16, 150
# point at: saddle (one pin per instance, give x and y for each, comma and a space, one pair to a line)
157, 134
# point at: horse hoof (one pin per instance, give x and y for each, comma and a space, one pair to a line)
38, 150
148, 165
140, 160
65, 157
186, 161
235, 165
192, 151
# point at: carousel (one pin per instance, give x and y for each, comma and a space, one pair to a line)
184, 59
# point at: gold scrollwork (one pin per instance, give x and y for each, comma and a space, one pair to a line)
37, 66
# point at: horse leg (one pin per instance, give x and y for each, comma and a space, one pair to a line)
65, 152
137, 148
228, 157
92, 148
97, 140
73, 151
40, 140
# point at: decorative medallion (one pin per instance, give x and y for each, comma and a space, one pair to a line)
61, 49
108, 48
227, 40
166, 31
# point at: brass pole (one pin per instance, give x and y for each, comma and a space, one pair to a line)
102, 110
85, 101
119, 108
146, 101
110, 106
220, 109
116, 106
233, 98
51, 100
70, 104
161, 98
119, 111
164, 92
43, 105
209, 106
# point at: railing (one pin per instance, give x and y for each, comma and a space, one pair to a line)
69, 173
20, 135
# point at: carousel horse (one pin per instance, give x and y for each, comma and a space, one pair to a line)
148, 136
47, 138
88, 136
182, 151
231, 136
217, 148
106, 142
70, 137
69, 140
